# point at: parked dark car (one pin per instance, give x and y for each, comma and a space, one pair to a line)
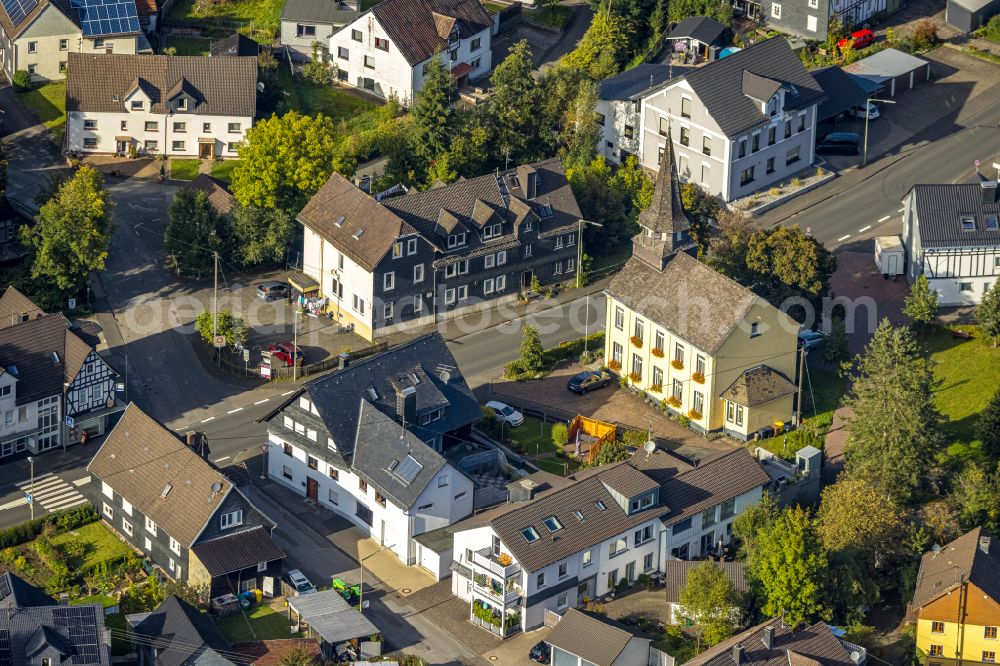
272, 290
588, 380
540, 653
839, 143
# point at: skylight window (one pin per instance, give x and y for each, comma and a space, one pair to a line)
990, 222
372, 393
414, 378
552, 524
579, 515
968, 223
530, 534
358, 233
600, 505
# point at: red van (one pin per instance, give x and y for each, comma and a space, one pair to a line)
861, 39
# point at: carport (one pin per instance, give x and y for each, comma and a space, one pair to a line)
892, 70
844, 91
330, 620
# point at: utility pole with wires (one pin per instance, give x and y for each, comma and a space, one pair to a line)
215, 301
802, 376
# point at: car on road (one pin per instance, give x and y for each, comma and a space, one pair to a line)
285, 352
859, 112
299, 582
588, 380
506, 413
272, 290
540, 653
839, 143
811, 339
860, 38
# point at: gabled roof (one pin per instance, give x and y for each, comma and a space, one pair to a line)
701, 28
843, 91
713, 482
789, 647
720, 84
354, 222
677, 573
73, 634
759, 87
885, 64
232, 552
757, 386
590, 636
15, 592
415, 26
221, 86
29, 346
972, 557
235, 44
14, 305
690, 299
328, 12
638, 79
218, 194
178, 631
939, 210
160, 475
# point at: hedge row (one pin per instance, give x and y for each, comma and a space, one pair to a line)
70, 519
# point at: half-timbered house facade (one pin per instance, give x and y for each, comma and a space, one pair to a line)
161, 497
951, 234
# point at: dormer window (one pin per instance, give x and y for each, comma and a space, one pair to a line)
545, 211
456, 240
453, 37
968, 222
182, 104
136, 105
492, 231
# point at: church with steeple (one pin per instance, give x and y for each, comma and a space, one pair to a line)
702, 345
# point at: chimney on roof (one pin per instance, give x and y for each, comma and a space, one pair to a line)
738, 653
768, 637
343, 360
523, 490
527, 178
406, 404
989, 190
984, 544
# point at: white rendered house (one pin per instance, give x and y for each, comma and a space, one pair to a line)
387, 49
172, 105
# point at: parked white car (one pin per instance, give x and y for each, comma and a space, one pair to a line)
506, 413
298, 580
859, 112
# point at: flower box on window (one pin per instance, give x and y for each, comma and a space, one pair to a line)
657, 352
678, 364
694, 415
699, 377
656, 388
673, 401
614, 365
635, 377
636, 341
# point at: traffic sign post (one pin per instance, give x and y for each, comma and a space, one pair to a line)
220, 341
69, 421
29, 497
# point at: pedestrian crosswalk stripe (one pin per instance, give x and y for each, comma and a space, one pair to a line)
51, 492
26, 482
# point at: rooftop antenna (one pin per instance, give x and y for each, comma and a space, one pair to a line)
506, 163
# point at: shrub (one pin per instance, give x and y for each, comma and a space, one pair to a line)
560, 435
774, 191
820, 172
796, 182
64, 520
22, 80
925, 34
683, 420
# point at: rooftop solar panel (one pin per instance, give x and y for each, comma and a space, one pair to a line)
408, 469
4, 587
106, 17
18, 9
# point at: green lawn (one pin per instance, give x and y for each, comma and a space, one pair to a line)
189, 46
266, 624
557, 465
183, 169
48, 101
556, 16
494, 7
967, 372
100, 544
224, 170
368, 4
227, 16
310, 99
821, 394
532, 436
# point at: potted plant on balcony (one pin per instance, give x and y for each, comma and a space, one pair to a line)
657, 352
677, 363
504, 559
698, 377
636, 341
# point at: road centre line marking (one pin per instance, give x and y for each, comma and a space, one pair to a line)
843, 238
864, 229
27, 481
14, 504
261, 402
210, 418
233, 411
883, 219
901, 210
218, 460
288, 392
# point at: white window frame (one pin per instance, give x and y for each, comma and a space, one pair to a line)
175, 547
108, 511
411, 246
389, 281
150, 526
231, 519
126, 527
489, 261
126, 507
776, 10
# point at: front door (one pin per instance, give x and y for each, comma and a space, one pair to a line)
707, 543
312, 488
205, 150
630, 572
381, 539
526, 280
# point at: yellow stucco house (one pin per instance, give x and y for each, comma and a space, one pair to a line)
688, 335
956, 602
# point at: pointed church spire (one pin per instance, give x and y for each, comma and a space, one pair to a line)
665, 224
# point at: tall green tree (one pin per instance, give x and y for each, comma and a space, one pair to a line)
921, 304
72, 232
728, 249
261, 235
988, 313
857, 516
434, 117
701, 208
976, 494
835, 347
193, 233
597, 192
602, 50
789, 262
582, 127
512, 113
789, 565
894, 431
284, 161
531, 349
711, 601
749, 524
988, 428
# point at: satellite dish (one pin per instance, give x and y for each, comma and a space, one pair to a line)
649, 447
216, 487
936, 548
856, 657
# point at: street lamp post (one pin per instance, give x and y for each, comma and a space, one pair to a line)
579, 274
31, 487
361, 584
864, 158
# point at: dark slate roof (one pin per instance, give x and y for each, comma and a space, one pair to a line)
218, 194
29, 633
843, 91
711, 483
637, 80
720, 85
178, 630
328, 12
939, 208
942, 571
235, 45
590, 636
233, 552
757, 386
160, 475
29, 345
420, 28
688, 298
789, 646
223, 86
666, 214
701, 28
14, 305
16, 592
677, 573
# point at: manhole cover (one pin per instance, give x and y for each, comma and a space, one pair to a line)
406, 590
493, 657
